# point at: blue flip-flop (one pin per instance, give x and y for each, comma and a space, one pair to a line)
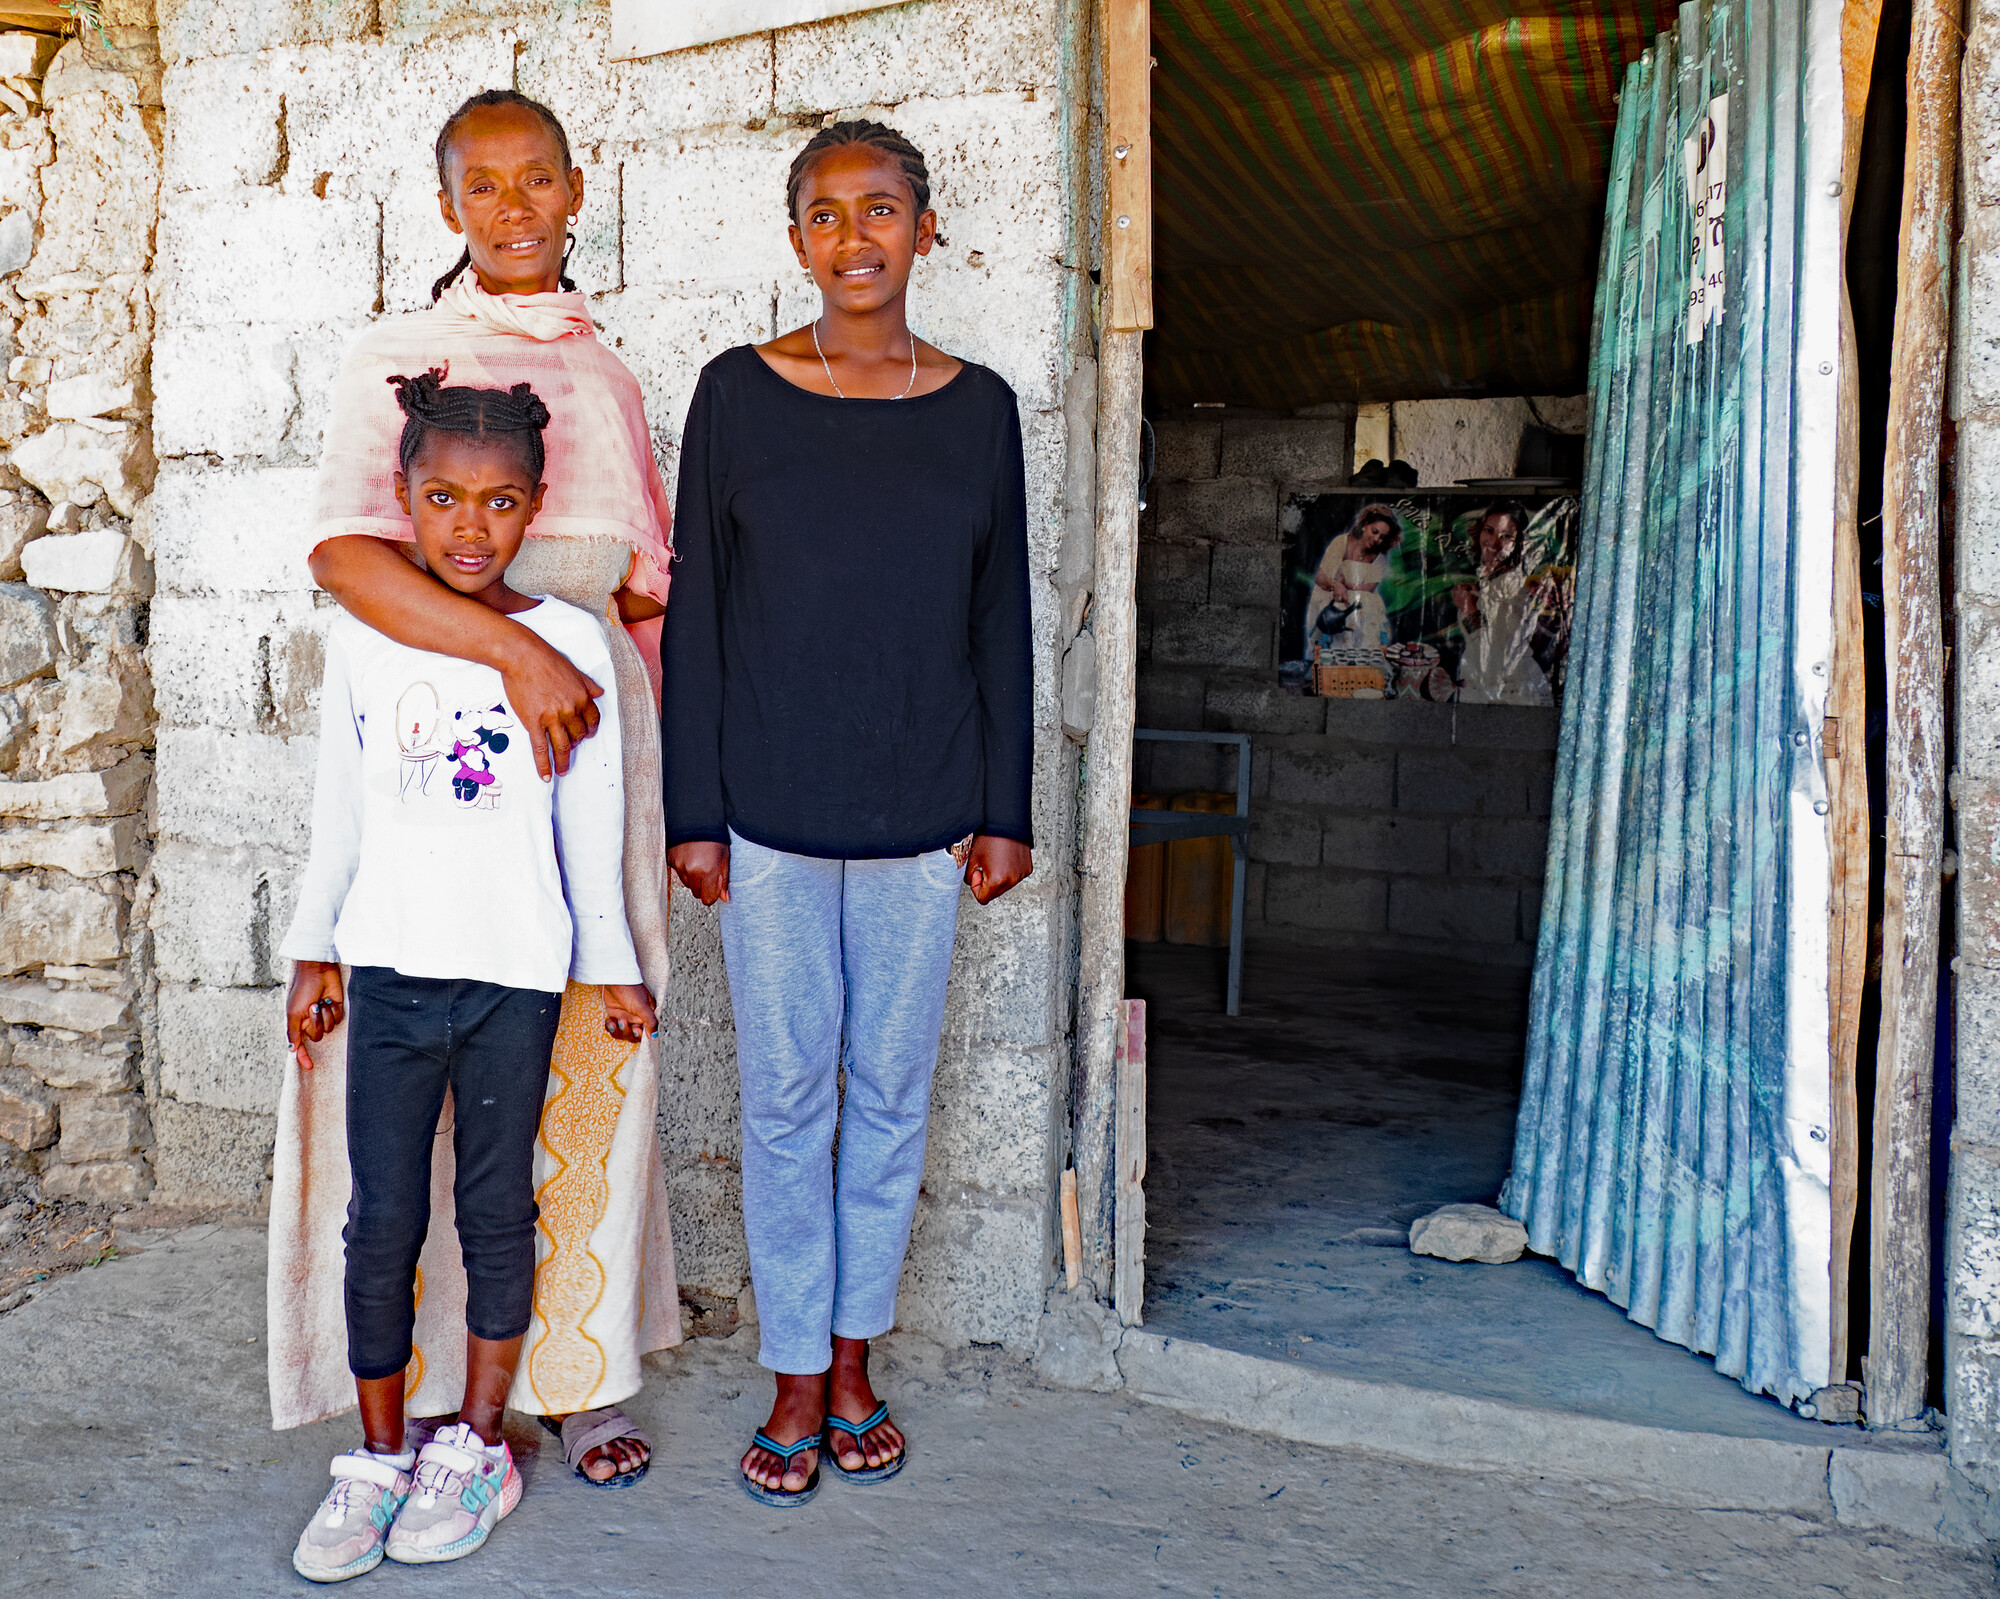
855, 1429
778, 1496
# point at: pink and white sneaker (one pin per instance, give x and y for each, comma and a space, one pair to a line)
346, 1534
462, 1488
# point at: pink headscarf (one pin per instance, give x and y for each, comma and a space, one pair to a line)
602, 479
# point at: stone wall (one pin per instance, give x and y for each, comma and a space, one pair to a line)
298, 203
1972, 1263
1386, 824
79, 187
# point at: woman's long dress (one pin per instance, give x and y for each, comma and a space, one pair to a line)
604, 1276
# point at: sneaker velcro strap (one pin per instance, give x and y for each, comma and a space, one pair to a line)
445, 1455
379, 1472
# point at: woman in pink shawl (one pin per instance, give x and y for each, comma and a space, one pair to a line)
604, 1276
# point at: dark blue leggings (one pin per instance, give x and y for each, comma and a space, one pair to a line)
408, 1039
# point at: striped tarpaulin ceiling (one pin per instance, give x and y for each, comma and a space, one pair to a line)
1380, 199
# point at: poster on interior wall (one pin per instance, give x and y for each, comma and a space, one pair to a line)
1444, 595
653, 27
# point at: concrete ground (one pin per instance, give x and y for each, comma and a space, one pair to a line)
1290, 1148
141, 1463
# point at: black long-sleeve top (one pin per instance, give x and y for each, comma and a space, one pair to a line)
847, 647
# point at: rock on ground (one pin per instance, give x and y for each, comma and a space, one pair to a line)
1469, 1232
141, 1464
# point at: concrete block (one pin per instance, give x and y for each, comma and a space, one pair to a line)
222, 124
1453, 782
700, 1115
667, 338
1978, 689
202, 1155
65, 921
28, 646
1003, 971
1977, 804
708, 212
1972, 1379
1324, 901
1303, 774
250, 662
1384, 843
978, 1268
1229, 510
222, 1047
1972, 1298
29, 1115
1500, 847
1172, 574
103, 1127
194, 28
29, 1002
1244, 574
1979, 489
63, 1060
1171, 699
285, 252
1289, 451
1918, 1495
1185, 450
705, 1199
1978, 1018
946, 48
1446, 440
82, 849
1541, 796
1287, 837
120, 791
990, 1117
1261, 707
1211, 635
103, 561
1405, 722
1503, 727
223, 788
249, 415
214, 920
1531, 911
223, 531
119, 1182
1175, 768
1454, 912
564, 61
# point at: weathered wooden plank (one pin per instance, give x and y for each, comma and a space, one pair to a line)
1128, 163
1072, 1232
1846, 712
1900, 1234
1107, 799
1129, 1280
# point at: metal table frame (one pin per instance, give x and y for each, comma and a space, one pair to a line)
1161, 827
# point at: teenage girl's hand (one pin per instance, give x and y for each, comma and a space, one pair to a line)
996, 865
628, 1011
314, 1006
704, 867
556, 703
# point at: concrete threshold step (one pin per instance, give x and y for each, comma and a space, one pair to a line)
1898, 1483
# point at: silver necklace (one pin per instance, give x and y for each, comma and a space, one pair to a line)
829, 370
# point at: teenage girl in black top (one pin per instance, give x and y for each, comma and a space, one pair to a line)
848, 685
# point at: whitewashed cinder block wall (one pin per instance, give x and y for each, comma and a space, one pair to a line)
298, 201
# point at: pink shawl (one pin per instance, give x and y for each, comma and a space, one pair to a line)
602, 479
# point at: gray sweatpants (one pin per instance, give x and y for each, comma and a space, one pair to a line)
833, 963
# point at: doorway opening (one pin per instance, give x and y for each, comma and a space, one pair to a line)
1373, 272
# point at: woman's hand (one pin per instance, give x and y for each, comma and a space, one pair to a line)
704, 867
556, 703
628, 1011
996, 865
314, 1006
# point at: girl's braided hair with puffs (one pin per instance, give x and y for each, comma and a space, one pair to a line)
515, 414
479, 102
906, 157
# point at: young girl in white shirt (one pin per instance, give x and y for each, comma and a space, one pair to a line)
462, 892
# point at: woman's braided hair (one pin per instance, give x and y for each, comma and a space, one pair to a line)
480, 102
908, 159
515, 414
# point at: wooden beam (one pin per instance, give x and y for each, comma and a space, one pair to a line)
1900, 1183
1846, 714
1129, 1277
1128, 164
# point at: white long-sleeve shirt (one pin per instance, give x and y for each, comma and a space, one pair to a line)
437, 849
